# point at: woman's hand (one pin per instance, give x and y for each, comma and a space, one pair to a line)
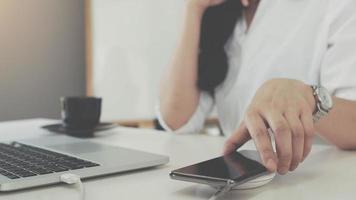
286, 107
245, 3
204, 4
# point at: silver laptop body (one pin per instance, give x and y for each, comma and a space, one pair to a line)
110, 159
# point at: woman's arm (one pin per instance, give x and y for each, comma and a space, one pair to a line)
339, 127
286, 106
179, 95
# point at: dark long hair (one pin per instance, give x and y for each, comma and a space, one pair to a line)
217, 26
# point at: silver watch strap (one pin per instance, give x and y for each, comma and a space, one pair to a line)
319, 112
318, 115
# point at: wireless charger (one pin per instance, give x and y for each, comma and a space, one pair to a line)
258, 182
255, 183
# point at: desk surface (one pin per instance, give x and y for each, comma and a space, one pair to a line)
328, 173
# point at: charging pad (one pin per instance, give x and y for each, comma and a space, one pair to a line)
255, 183
240, 171
258, 182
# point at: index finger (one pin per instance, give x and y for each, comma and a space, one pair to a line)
237, 139
260, 136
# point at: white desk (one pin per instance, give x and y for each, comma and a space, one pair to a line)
328, 173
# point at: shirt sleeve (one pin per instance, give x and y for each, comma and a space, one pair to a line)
196, 121
338, 70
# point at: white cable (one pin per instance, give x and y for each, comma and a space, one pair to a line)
222, 191
73, 179
216, 196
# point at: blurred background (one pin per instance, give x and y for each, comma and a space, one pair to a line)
42, 56
114, 49
132, 42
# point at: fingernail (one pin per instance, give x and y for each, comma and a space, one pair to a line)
293, 167
271, 165
283, 171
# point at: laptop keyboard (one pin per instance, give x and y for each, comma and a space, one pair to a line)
19, 160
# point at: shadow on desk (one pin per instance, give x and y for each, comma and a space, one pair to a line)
205, 192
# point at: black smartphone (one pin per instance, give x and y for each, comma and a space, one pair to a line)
233, 169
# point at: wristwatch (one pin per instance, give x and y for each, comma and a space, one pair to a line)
323, 102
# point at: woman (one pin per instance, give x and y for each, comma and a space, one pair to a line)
278, 50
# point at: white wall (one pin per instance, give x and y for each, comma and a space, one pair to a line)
133, 42
42, 56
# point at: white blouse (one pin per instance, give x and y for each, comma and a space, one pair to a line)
313, 41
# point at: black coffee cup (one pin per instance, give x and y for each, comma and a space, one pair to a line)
80, 113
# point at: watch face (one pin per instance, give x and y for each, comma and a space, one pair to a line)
325, 99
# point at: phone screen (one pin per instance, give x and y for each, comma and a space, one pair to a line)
235, 166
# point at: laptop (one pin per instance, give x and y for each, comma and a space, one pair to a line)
41, 161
